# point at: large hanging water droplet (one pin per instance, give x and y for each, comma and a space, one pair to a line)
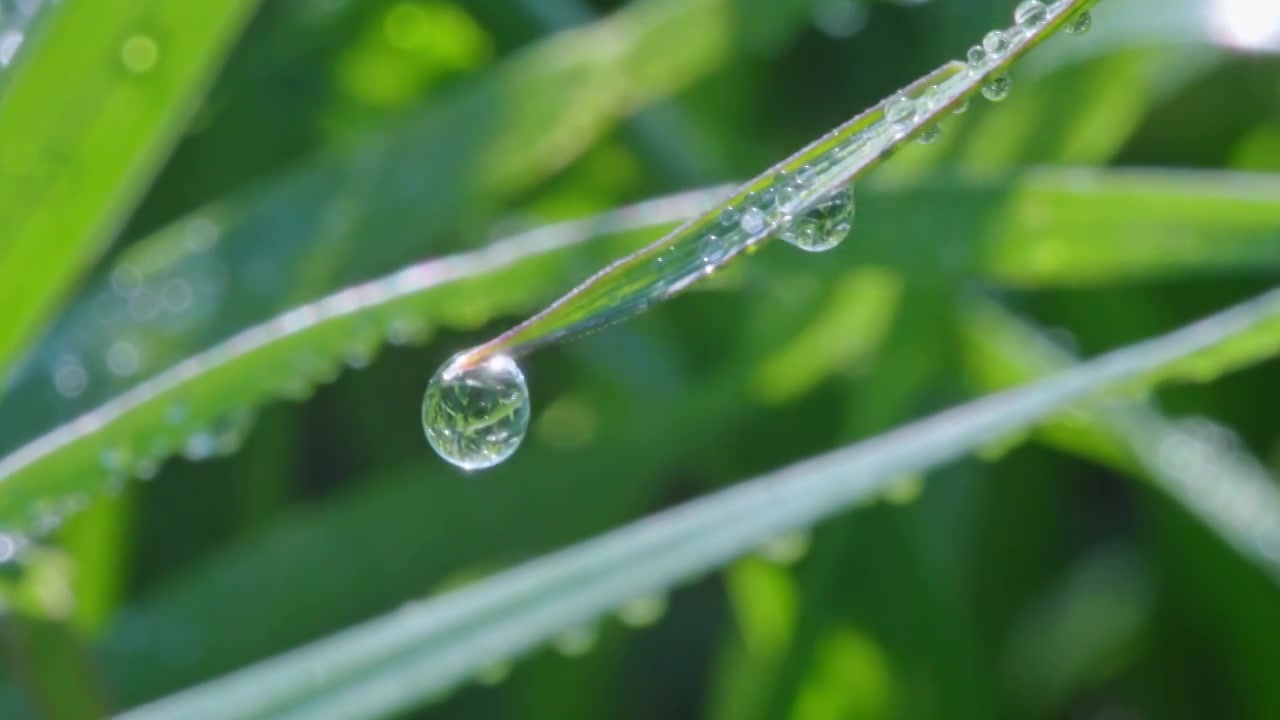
1080, 24
930, 135
997, 88
1030, 14
476, 417
825, 225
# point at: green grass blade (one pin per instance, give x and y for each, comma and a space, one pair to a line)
286, 356
1045, 228
693, 251
1228, 490
80, 147
394, 662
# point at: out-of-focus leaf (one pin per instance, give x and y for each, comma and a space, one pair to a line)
1196, 463
80, 147
394, 662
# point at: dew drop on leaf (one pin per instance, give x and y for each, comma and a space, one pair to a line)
576, 642
930, 135
825, 225
493, 674
996, 43
1030, 14
476, 417
139, 54
1080, 24
997, 88
643, 611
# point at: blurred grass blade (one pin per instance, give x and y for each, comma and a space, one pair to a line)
392, 663
80, 146
1198, 464
693, 251
286, 356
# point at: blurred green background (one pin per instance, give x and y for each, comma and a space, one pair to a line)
344, 139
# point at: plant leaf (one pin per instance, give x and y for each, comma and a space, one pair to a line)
391, 663
1045, 228
80, 148
1194, 462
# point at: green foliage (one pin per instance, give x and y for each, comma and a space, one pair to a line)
180, 257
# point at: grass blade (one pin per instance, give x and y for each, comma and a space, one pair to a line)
391, 663
79, 148
693, 251
1228, 490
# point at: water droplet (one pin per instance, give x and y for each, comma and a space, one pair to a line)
476, 417
126, 280
10, 545
123, 359
643, 611
494, 674
176, 295
786, 549
146, 469
70, 377
115, 460
930, 135
576, 642
904, 491
900, 111
1080, 24
730, 216
961, 106
139, 54
753, 221
996, 43
786, 191
199, 446
408, 330
997, 88
1030, 14
977, 58
825, 225
806, 175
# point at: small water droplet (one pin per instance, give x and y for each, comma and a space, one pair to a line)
1080, 24
930, 135
146, 469
408, 330
786, 549
643, 611
494, 674
576, 642
730, 216
996, 43
139, 54
786, 191
10, 544
753, 221
1030, 14
70, 378
900, 111
825, 225
806, 175
977, 58
904, 491
199, 446
126, 280
123, 359
997, 88
961, 107
115, 460
176, 295
476, 417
